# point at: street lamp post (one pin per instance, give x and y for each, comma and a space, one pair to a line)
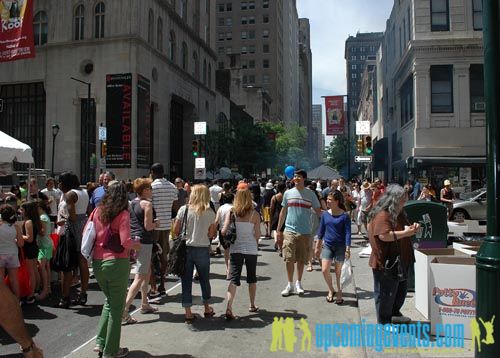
55, 132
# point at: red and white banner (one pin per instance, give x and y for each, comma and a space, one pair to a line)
16, 30
334, 115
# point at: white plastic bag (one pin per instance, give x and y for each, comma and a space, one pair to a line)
346, 274
88, 238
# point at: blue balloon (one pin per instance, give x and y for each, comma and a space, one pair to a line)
289, 171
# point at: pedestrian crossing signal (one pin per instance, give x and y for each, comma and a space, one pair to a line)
196, 148
368, 145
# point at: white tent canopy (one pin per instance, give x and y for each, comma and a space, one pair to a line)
323, 172
13, 150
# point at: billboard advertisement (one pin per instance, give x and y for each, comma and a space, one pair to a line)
335, 119
16, 30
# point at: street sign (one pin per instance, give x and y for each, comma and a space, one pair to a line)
200, 128
363, 158
200, 174
102, 133
199, 163
362, 127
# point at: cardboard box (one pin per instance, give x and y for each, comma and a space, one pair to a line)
423, 258
453, 293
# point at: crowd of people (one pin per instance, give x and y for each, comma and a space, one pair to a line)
135, 222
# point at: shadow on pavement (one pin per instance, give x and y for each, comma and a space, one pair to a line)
364, 294
35, 312
6, 339
142, 354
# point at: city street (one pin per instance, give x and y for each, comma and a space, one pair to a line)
71, 332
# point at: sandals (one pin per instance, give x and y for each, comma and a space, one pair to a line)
63, 302
189, 320
81, 300
148, 309
253, 308
330, 298
339, 301
309, 268
127, 320
210, 313
229, 315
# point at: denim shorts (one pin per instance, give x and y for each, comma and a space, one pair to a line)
334, 252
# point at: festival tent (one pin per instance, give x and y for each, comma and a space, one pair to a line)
323, 172
13, 150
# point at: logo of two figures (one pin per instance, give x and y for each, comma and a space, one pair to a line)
283, 331
476, 332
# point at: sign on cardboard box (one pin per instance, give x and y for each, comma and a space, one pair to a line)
453, 295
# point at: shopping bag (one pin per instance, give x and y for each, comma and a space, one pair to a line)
346, 273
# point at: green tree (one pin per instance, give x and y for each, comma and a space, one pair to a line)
336, 152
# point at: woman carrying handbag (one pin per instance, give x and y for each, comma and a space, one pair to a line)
392, 249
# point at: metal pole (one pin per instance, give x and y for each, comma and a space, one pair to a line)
488, 257
87, 144
53, 152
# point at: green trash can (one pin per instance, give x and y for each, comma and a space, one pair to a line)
433, 220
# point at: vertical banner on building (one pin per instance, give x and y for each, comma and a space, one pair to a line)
334, 115
119, 120
143, 123
16, 30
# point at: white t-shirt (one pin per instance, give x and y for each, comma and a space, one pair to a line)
223, 210
54, 196
196, 226
215, 190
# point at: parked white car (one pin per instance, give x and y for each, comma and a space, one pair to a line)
471, 206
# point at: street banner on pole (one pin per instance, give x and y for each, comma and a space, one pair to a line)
144, 158
16, 30
334, 115
119, 120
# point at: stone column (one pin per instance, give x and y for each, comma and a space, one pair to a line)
461, 96
422, 95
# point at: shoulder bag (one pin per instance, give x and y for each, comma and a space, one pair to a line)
230, 236
393, 269
176, 263
88, 237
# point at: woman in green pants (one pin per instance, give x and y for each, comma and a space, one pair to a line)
111, 266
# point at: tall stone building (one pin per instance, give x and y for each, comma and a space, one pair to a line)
432, 93
264, 36
317, 130
156, 58
305, 89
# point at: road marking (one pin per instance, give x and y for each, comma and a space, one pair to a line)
137, 310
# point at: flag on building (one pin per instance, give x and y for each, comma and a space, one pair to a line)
16, 30
334, 115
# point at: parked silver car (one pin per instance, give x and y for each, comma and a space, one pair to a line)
471, 206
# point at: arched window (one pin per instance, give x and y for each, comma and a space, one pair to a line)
40, 28
99, 20
171, 46
184, 56
196, 66
223, 124
209, 75
205, 72
79, 22
151, 27
159, 34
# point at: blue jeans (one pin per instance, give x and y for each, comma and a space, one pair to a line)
389, 296
199, 257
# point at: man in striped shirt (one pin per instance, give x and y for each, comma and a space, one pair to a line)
296, 238
164, 195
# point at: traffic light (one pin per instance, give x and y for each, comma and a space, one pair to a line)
196, 147
368, 145
359, 146
104, 149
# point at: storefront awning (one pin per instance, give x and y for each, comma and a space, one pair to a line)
413, 162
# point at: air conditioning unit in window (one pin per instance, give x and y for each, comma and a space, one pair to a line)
479, 106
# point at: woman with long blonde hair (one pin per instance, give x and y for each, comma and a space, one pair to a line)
198, 220
244, 250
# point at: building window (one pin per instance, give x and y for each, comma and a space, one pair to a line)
265, 4
353, 67
171, 46
99, 11
244, 20
221, 36
244, 64
40, 28
251, 20
220, 21
251, 64
265, 19
245, 79
229, 50
220, 50
265, 34
406, 97
251, 49
159, 34
265, 63
151, 26
266, 79
362, 57
265, 48
251, 34
229, 6
244, 5
184, 56
79, 22
220, 7
204, 72
244, 35
353, 57
229, 36
243, 50
196, 66
229, 21
251, 5
354, 75
442, 89
251, 79
476, 75
477, 14
440, 17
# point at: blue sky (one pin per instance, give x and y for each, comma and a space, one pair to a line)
332, 21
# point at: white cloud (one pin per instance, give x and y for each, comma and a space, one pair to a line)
332, 21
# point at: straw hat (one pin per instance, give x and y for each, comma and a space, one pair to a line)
365, 185
447, 182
